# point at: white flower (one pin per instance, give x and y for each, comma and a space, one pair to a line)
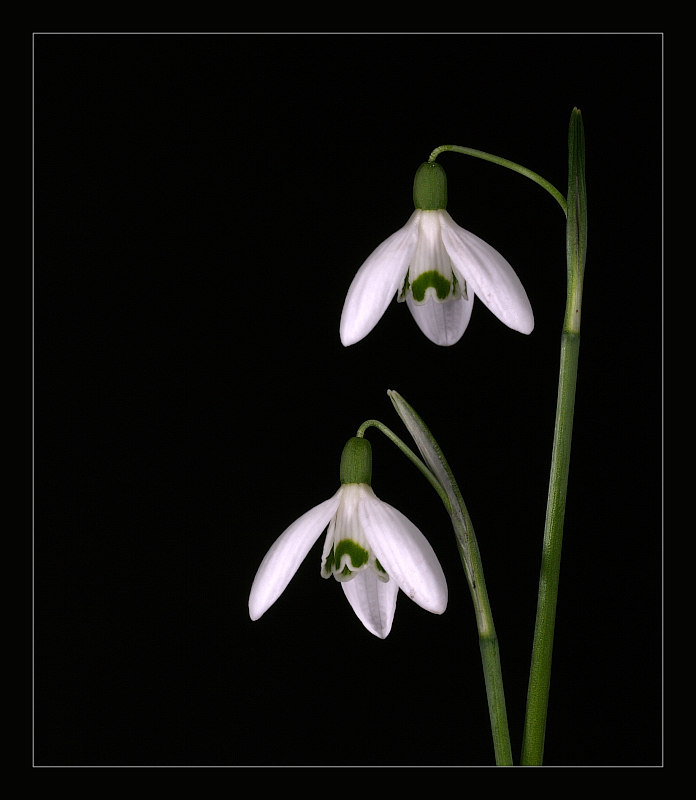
437, 268
370, 547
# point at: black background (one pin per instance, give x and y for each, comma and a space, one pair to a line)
202, 203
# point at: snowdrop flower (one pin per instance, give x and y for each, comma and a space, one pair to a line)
436, 267
372, 549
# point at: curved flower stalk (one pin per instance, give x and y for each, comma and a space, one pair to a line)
437, 268
372, 549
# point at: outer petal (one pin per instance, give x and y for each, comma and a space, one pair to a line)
373, 600
377, 281
443, 323
289, 550
404, 553
489, 275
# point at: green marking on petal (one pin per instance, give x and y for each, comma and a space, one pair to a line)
427, 279
358, 555
381, 573
356, 558
401, 296
464, 292
328, 565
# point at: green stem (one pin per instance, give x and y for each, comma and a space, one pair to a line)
503, 162
540, 672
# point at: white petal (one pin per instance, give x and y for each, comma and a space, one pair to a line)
430, 253
377, 281
373, 601
488, 275
405, 554
443, 323
289, 550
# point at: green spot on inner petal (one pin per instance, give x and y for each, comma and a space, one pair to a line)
425, 281
358, 555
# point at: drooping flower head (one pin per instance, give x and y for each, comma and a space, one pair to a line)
437, 268
372, 549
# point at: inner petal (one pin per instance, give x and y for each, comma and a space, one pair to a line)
346, 549
430, 273
348, 558
431, 283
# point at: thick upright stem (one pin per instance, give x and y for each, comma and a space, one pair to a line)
576, 246
540, 672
